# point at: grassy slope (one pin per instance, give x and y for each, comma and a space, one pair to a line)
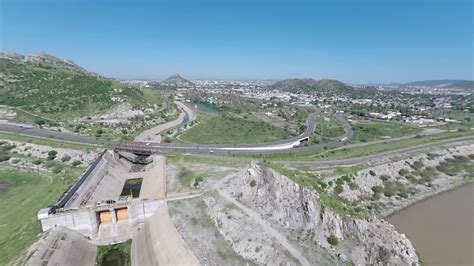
28, 192
375, 130
327, 129
58, 93
233, 130
54, 143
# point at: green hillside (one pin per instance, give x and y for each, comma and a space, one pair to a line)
311, 85
48, 87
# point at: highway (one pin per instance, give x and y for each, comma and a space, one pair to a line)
284, 146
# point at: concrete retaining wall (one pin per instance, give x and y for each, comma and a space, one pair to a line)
139, 212
84, 222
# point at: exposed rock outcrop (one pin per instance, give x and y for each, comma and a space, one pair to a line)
297, 212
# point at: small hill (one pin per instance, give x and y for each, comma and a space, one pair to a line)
175, 82
312, 86
45, 86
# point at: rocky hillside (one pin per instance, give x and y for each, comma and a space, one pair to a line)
42, 86
175, 82
297, 212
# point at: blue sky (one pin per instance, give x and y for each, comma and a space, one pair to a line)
353, 41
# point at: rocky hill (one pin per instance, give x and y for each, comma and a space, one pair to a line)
42, 85
175, 82
319, 231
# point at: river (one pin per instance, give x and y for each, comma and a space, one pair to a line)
203, 108
442, 227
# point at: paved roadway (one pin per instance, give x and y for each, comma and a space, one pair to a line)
384, 157
154, 134
284, 146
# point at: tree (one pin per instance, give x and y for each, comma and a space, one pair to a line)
333, 240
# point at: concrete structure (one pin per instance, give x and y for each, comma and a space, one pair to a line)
95, 203
93, 212
55, 249
157, 242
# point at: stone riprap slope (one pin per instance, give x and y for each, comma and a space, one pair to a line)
388, 187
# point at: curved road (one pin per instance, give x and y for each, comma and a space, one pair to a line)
154, 134
284, 146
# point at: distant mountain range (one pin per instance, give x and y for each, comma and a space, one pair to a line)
442, 83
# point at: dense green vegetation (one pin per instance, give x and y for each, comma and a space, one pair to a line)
371, 130
22, 195
230, 129
116, 254
51, 91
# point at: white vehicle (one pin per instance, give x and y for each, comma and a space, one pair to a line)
343, 139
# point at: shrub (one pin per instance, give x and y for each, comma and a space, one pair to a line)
346, 178
198, 180
353, 186
4, 157
372, 173
6, 147
412, 179
377, 189
384, 177
403, 172
76, 163
52, 153
39, 122
65, 158
338, 189
322, 184
332, 239
57, 169
36, 162
403, 194
339, 181
253, 183
417, 165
